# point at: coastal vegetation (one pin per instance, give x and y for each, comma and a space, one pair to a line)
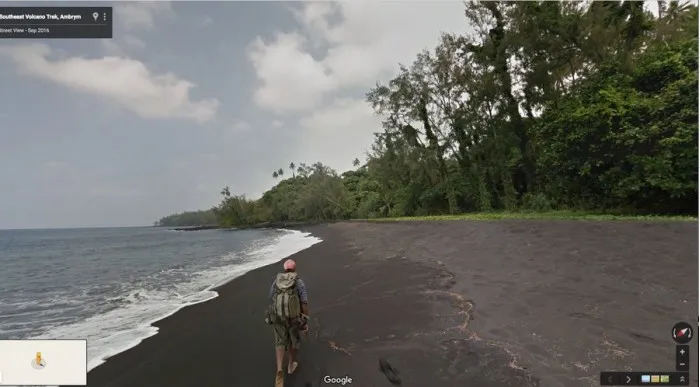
189, 218
544, 215
546, 106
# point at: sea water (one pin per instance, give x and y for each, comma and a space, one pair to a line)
108, 285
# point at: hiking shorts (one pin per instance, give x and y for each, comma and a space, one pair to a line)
287, 335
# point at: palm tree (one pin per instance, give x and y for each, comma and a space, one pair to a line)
280, 172
676, 21
291, 166
356, 162
662, 8
275, 174
302, 170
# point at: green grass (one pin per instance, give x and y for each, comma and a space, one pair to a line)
550, 215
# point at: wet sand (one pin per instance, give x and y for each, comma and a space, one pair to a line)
460, 303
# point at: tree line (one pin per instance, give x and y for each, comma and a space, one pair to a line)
189, 218
545, 105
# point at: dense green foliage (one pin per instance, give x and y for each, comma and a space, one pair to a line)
189, 218
546, 106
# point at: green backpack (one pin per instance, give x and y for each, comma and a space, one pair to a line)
286, 303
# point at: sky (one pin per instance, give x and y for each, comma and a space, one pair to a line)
190, 97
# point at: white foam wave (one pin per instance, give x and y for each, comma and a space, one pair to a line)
123, 328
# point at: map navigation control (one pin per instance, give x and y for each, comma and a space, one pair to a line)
682, 333
644, 378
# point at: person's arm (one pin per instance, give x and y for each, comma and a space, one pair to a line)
303, 297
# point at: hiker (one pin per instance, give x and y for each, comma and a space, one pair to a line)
288, 315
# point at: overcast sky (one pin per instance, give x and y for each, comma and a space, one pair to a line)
190, 97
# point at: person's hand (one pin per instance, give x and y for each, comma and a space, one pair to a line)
304, 323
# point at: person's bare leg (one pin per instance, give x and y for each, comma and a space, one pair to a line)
279, 354
293, 350
279, 377
292, 359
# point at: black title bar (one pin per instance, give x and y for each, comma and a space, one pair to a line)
56, 22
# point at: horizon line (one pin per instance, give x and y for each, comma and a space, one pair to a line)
70, 228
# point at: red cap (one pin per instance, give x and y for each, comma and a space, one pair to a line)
290, 265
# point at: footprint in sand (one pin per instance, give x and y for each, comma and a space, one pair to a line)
390, 372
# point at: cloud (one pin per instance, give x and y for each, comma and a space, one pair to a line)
141, 15
338, 133
122, 44
133, 18
364, 46
240, 126
321, 69
292, 80
124, 81
133, 41
277, 124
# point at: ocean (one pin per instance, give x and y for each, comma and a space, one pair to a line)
108, 285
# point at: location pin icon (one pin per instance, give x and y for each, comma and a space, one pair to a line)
95, 15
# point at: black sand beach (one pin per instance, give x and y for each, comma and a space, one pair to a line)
460, 303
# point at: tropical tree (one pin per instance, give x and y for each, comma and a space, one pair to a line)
543, 105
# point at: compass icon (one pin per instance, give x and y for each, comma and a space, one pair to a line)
682, 333
38, 363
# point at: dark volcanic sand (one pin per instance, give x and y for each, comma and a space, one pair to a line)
507, 303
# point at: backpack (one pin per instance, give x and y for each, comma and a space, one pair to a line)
286, 303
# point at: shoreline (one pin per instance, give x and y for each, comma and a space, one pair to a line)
453, 320
151, 327
104, 373
266, 225
148, 328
